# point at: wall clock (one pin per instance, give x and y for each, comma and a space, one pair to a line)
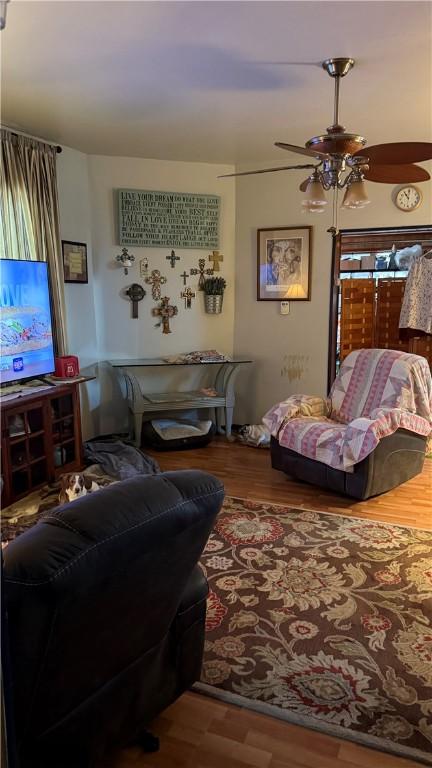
408, 198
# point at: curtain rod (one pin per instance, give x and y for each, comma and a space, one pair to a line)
57, 147
36, 138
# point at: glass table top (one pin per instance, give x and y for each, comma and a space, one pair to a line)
155, 361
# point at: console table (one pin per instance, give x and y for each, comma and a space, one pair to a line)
140, 403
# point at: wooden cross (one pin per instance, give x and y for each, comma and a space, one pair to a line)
164, 312
188, 295
184, 276
173, 258
216, 257
156, 280
136, 293
201, 271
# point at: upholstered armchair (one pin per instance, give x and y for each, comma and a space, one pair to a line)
368, 436
106, 610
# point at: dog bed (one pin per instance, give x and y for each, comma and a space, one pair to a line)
177, 434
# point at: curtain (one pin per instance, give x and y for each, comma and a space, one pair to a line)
29, 217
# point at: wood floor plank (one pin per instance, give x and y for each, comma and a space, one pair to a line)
201, 732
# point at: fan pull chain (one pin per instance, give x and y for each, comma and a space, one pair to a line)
335, 210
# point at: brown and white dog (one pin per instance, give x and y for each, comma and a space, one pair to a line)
74, 486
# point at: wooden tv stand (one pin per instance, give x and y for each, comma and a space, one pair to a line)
40, 440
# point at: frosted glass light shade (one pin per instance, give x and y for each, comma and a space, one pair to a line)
355, 195
315, 194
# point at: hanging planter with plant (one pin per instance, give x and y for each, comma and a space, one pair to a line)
213, 288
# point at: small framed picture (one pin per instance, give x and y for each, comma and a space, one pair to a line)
284, 263
74, 262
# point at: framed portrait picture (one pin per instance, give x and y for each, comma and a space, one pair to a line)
74, 262
284, 263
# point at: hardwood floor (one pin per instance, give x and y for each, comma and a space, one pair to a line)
200, 732
246, 472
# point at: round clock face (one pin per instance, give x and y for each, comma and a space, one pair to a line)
408, 198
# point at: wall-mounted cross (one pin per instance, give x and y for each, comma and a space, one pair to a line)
184, 275
173, 258
156, 280
136, 293
144, 267
164, 312
188, 295
216, 257
201, 271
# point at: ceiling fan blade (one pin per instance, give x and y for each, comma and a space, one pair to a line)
400, 152
396, 174
268, 170
301, 150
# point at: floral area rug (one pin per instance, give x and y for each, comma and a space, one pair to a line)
322, 620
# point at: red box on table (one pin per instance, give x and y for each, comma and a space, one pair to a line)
66, 367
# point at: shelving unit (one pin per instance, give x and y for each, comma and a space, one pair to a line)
41, 439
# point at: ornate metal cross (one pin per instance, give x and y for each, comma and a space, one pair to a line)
216, 257
144, 267
201, 271
188, 295
136, 293
156, 280
173, 258
164, 312
184, 275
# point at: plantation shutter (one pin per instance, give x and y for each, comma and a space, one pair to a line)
390, 293
357, 315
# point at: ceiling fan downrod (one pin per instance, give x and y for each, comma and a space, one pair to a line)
337, 68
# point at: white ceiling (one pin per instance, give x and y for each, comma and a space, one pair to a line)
213, 81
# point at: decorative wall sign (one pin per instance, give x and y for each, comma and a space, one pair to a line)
284, 255
173, 258
184, 275
156, 280
201, 271
176, 219
136, 293
216, 258
164, 312
188, 294
74, 262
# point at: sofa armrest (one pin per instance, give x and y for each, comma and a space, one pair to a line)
293, 407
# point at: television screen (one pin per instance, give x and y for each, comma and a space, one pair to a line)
26, 343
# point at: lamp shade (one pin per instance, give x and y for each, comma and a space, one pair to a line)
355, 195
314, 194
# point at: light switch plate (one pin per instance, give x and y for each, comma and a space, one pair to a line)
284, 307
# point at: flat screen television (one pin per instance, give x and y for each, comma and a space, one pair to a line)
26, 343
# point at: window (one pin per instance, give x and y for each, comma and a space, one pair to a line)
368, 282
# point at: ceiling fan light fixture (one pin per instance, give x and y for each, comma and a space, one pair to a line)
314, 194
355, 195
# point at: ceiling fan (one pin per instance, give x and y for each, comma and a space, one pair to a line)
344, 162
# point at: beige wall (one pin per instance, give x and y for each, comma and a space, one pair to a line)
75, 225
99, 320
290, 352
